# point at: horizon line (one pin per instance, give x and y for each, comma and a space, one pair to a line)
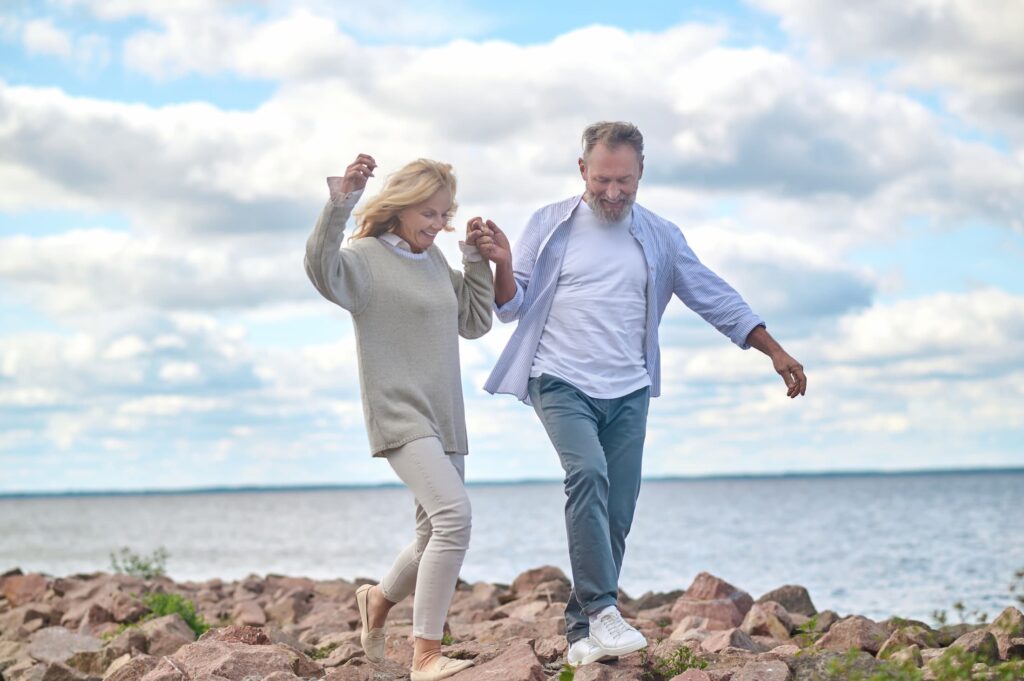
242, 489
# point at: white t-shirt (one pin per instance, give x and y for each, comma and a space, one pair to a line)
594, 334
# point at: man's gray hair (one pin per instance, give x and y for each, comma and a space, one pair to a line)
612, 134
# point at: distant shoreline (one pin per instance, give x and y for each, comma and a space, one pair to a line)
786, 475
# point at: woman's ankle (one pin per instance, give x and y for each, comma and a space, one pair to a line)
378, 607
426, 651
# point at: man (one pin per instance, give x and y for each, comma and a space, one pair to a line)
592, 277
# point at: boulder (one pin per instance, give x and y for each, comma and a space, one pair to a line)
920, 636
248, 613
291, 606
764, 671
517, 663
910, 654
692, 675
127, 668
132, 639
21, 621
164, 635
730, 638
768, 618
215, 659
546, 581
1010, 622
22, 589
794, 598
723, 605
57, 644
980, 643
550, 648
1008, 627
854, 632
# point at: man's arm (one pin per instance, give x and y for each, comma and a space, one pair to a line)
720, 305
792, 371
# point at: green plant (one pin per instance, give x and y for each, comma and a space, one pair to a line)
1017, 585
146, 567
446, 638
664, 668
807, 633
323, 651
161, 604
567, 673
664, 621
955, 664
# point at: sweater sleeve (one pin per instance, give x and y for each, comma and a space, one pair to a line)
341, 275
474, 289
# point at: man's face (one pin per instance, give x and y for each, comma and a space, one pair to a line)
612, 177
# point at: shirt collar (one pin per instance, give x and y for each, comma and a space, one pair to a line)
396, 241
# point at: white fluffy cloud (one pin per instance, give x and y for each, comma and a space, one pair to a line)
971, 51
151, 360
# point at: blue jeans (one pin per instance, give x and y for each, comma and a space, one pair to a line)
600, 443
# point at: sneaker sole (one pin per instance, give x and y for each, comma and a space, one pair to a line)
624, 650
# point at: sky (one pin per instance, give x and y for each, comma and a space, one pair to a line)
856, 171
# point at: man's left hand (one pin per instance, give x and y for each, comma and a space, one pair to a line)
792, 373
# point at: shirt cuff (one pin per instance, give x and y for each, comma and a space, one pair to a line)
470, 253
339, 198
512, 304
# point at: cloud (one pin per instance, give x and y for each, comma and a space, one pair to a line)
42, 37
87, 52
971, 51
774, 169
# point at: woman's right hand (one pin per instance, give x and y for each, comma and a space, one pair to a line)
357, 173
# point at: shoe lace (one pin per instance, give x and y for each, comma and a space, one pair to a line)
614, 623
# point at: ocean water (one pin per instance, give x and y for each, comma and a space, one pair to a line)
876, 545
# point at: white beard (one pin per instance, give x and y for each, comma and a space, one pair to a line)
601, 210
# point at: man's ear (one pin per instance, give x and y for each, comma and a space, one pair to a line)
583, 168
641, 168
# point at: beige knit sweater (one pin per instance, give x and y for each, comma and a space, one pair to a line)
408, 315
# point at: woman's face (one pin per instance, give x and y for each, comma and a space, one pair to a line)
419, 224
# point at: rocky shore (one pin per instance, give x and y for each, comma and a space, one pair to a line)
279, 628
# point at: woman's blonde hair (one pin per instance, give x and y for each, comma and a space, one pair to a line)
414, 183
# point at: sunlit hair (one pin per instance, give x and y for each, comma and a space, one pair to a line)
414, 183
612, 134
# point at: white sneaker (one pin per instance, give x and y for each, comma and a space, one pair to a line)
585, 651
613, 635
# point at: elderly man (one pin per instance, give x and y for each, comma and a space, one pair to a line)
592, 277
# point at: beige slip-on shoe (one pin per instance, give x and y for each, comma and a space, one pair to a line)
442, 668
372, 640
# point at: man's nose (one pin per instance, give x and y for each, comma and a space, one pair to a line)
612, 193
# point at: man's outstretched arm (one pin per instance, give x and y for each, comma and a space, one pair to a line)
792, 371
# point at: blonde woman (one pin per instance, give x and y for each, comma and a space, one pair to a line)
409, 308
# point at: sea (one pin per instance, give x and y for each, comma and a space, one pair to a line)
911, 544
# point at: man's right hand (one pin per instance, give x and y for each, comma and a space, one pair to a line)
357, 173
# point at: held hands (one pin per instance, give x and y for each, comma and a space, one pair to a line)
491, 241
357, 173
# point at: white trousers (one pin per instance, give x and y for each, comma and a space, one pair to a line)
430, 564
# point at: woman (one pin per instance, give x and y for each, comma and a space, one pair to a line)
408, 309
